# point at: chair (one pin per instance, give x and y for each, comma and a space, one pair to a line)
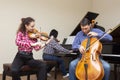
26, 70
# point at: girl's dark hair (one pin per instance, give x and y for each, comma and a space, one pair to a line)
85, 22
25, 21
53, 33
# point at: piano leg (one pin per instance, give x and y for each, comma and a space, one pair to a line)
115, 71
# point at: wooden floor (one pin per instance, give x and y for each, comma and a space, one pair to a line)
59, 77
33, 77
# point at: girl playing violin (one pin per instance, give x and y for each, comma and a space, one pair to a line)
25, 47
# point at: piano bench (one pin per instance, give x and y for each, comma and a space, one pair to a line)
26, 70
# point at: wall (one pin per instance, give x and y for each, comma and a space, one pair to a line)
109, 12
63, 15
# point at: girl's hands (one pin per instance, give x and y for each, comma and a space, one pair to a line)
36, 44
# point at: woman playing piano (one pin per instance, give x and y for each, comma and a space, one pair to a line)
53, 47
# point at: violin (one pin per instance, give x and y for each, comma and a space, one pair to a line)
35, 34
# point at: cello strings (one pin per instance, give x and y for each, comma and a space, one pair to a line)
107, 32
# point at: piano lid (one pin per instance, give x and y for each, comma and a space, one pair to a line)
114, 46
91, 16
116, 34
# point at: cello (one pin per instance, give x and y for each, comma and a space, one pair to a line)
90, 66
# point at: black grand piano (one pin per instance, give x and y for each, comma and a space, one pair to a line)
111, 50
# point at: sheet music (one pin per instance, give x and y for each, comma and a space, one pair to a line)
70, 40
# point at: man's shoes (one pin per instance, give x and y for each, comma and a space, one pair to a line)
66, 75
48, 74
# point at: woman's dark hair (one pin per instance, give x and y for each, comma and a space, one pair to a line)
85, 22
25, 21
53, 33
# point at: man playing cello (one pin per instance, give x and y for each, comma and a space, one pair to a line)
87, 31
